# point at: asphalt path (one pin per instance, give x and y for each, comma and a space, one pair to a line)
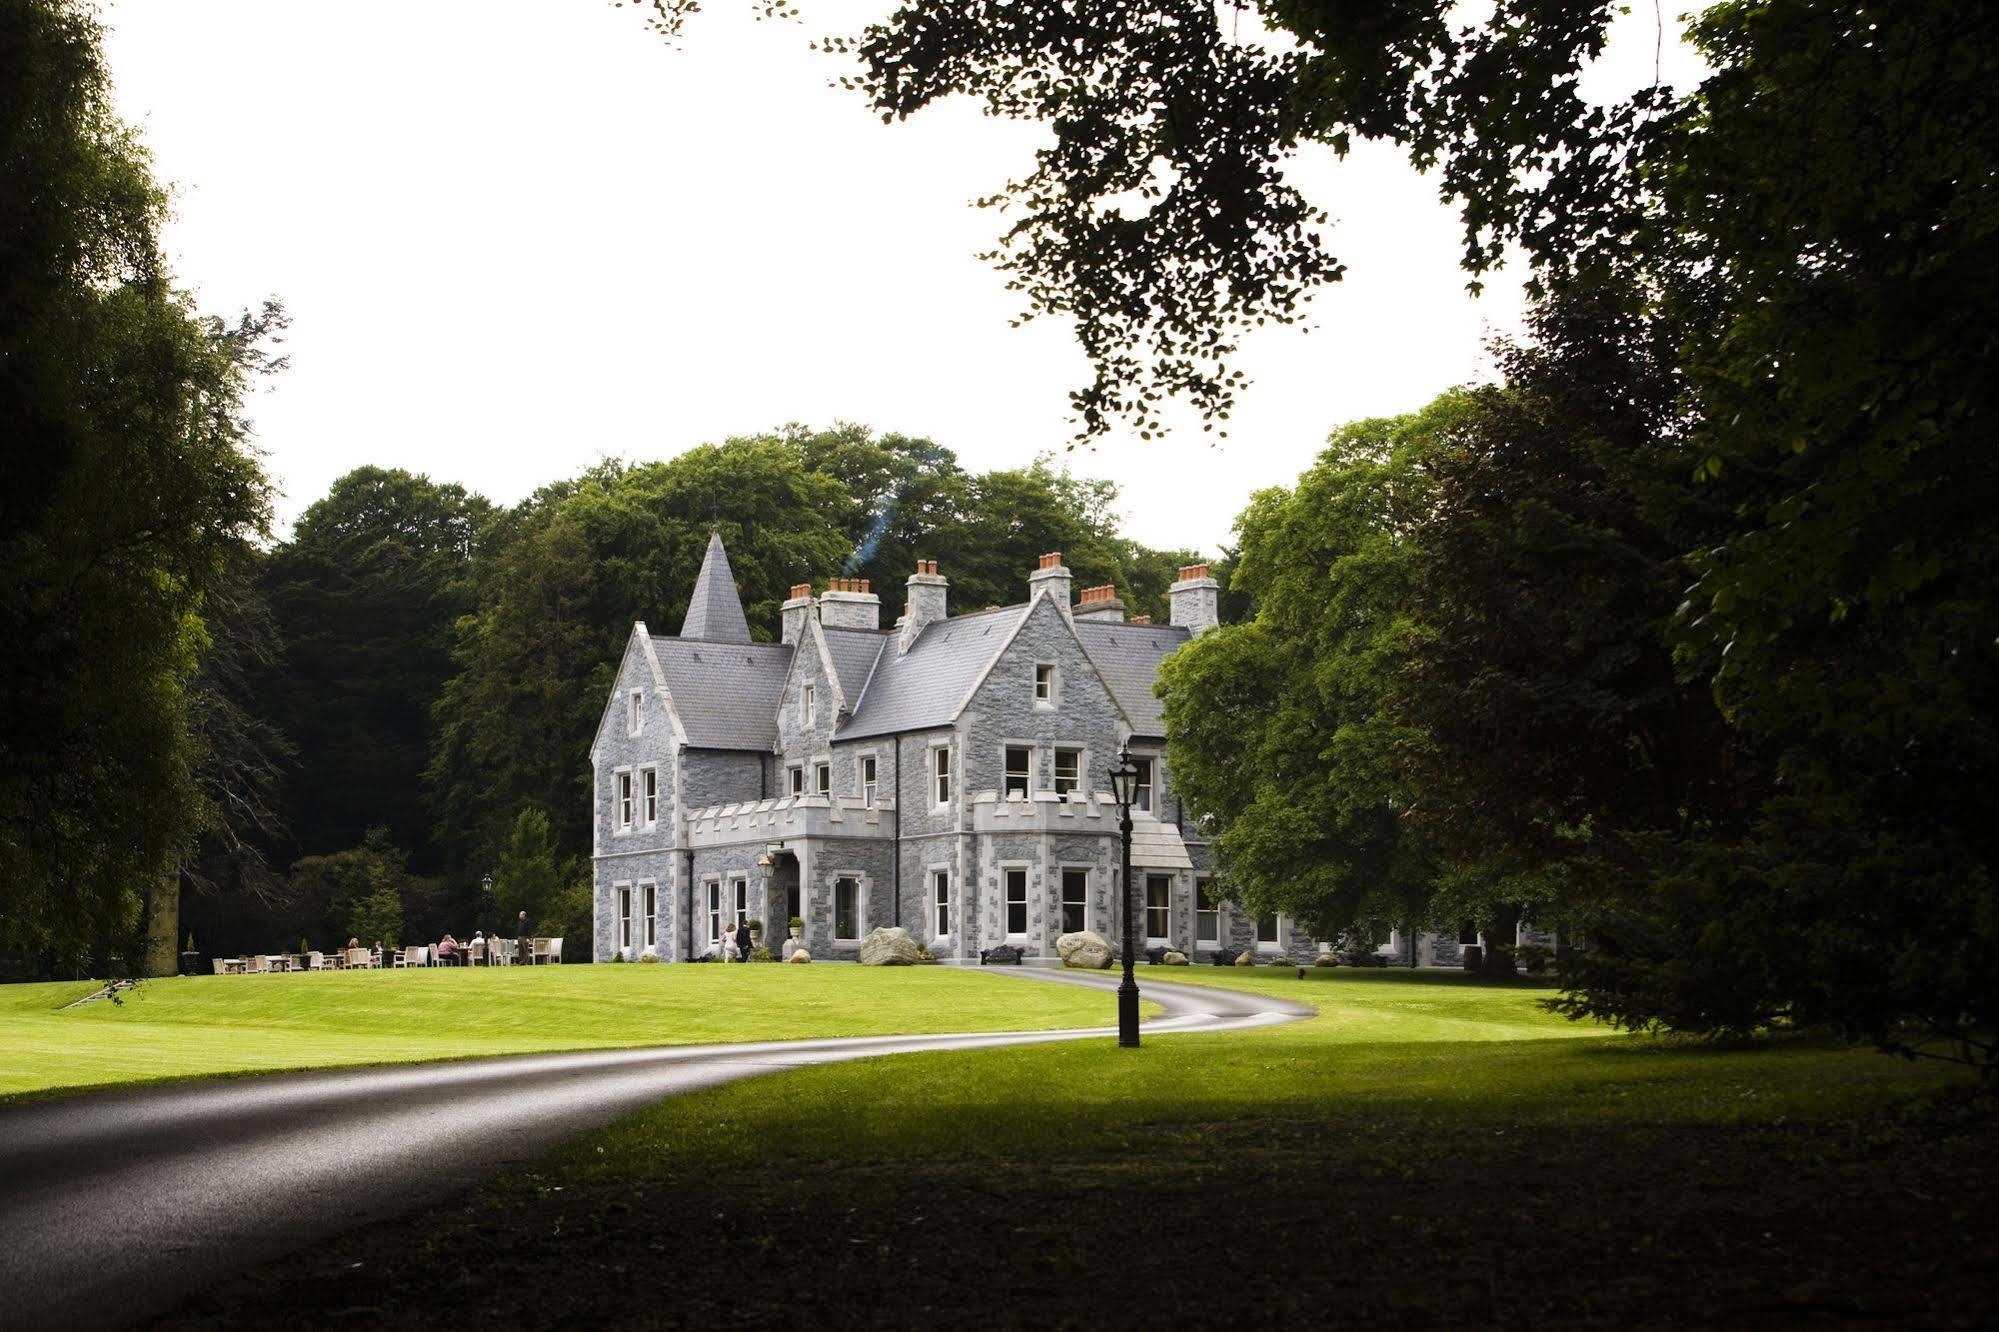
115, 1204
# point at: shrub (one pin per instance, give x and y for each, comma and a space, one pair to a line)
798, 927
1534, 958
648, 957
761, 954
617, 956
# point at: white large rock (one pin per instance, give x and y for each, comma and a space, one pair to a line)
1085, 949
889, 946
1173, 958
799, 955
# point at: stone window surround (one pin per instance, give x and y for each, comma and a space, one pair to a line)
795, 781
711, 897
822, 775
1220, 912
1062, 872
1283, 930
1148, 780
624, 801
941, 783
1082, 786
648, 785
621, 897
860, 882
809, 704
1053, 698
869, 791
931, 873
636, 723
1033, 762
1026, 871
739, 901
1148, 908
649, 897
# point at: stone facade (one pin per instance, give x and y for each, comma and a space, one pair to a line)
815, 777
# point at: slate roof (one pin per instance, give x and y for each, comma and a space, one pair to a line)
726, 693
924, 686
854, 652
715, 612
1128, 657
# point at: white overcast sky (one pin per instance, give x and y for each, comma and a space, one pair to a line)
517, 236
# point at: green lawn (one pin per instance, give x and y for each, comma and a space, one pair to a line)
1432, 1050
189, 1026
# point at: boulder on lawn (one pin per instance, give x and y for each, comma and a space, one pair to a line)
799, 955
1174, 958
1245, 958
889, 946
1086, 950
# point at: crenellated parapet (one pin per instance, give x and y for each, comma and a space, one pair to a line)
783, 818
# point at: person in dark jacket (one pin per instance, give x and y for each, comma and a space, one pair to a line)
744, 943
525, 938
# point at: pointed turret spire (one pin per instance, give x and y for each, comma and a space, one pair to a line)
715, 613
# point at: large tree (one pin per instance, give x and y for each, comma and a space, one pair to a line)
128, 482
365, 596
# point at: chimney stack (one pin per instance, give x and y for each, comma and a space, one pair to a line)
796, 613
1054, 576
1100, 605
927, 590
1196, 600
847, 604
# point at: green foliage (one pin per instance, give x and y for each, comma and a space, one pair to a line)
128, 482
365, 595
532, 876
1280, 727
357, 893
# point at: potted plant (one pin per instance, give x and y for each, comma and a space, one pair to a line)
190, 961
797, 927
756, 932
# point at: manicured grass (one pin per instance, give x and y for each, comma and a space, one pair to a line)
1452, 1057
188, 1026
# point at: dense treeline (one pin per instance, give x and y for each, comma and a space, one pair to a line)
436, 664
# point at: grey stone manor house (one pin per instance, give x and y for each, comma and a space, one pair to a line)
946, 774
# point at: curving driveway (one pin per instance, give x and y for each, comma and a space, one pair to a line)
115, 1204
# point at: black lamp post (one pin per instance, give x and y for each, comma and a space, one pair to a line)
1124, 785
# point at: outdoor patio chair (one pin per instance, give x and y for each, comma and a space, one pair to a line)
540, 951
475, 952
315, 961
555, 949
416, 957
222, 966
356, 957
257, 962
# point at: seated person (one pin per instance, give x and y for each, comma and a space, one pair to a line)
447, 951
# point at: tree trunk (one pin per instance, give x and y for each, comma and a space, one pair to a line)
1496, 963
161, 956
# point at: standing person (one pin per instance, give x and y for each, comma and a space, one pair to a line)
525, 938
727, 951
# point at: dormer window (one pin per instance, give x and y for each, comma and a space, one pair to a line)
1044, 685
638, 720
811, 704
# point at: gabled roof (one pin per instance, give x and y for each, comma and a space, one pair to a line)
927, 685
715, 612
1128, 657
853, 653
725, 694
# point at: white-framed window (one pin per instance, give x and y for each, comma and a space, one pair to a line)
714, 911
797, 771
624, 917
940, 902
651, 891
811, 704
649, 795
867, 779
1142, 789
1268, 933
846, 908
1207, 913
624, 802
940, 774
637, 723
1016, 902
822, 778
1158, 906
1019, 771
1044, 684
1068, 771
1075, 900
739, 890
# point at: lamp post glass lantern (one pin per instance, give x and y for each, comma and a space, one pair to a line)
1124, 786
